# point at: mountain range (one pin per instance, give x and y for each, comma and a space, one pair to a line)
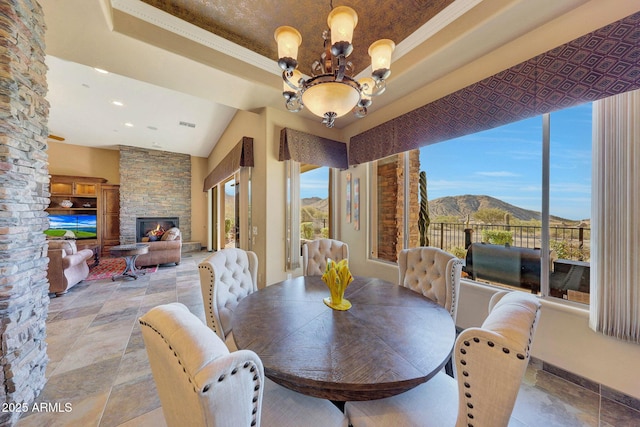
460, 207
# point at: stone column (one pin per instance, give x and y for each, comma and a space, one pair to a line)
24, 196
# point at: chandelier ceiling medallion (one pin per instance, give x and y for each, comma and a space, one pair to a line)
331, 92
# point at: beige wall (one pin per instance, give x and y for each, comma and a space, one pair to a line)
68, 159
275, 190
248, 124
268, 180
198, 200
103, 163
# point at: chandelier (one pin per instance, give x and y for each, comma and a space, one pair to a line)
331, 92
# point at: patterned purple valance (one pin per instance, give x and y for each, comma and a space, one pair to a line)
240, 155
603, 63
306, 148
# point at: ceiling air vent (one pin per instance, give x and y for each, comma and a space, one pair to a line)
187, 124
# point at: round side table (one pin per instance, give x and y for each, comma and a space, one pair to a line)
129, 253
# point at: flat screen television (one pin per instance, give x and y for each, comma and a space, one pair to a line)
80, 226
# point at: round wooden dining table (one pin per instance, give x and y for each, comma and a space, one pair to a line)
391, 339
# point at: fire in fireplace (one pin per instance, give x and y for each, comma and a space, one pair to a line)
154, 226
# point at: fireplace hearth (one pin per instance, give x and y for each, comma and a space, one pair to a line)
146, 224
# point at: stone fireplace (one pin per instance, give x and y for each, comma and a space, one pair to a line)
154, 184
146, 224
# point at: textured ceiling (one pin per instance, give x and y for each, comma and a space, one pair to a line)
251, 24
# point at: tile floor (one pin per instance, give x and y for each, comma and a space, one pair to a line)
99, 366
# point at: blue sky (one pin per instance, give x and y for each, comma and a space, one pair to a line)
506, 163
315, 183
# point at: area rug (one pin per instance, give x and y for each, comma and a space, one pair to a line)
110, 267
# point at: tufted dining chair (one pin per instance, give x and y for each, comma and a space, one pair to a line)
316, 252
226, 276
490, 363
432, 272
200, 383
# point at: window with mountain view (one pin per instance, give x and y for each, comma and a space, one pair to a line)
484, 198
314, 202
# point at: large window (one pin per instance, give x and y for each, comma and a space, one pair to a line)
314, 202
495, 199
308, 210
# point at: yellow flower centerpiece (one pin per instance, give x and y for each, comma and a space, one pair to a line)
337, 277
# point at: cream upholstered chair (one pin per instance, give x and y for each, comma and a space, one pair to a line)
316, 252
200, 383
432, 272
435, 274
490, 364
226, 276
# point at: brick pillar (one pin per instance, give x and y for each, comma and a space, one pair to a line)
391, 211
387, 209
24, 195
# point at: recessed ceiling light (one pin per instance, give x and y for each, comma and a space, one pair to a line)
118, 103
129, 125
152, 127
101, 71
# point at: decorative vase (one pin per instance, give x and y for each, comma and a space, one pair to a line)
66, 203
337, 277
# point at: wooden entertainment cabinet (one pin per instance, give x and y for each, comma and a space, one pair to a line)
89, 195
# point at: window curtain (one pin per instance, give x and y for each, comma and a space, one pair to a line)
292, 216
615, 270
597, 65
240, 155
314, 150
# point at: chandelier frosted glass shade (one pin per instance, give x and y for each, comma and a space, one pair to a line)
288, 39
342, 20
339, 98
331, 92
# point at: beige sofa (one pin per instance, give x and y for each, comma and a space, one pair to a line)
67, 265
164, 251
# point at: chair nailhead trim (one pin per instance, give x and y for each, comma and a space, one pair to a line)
505, 350
207, 387
143, 323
